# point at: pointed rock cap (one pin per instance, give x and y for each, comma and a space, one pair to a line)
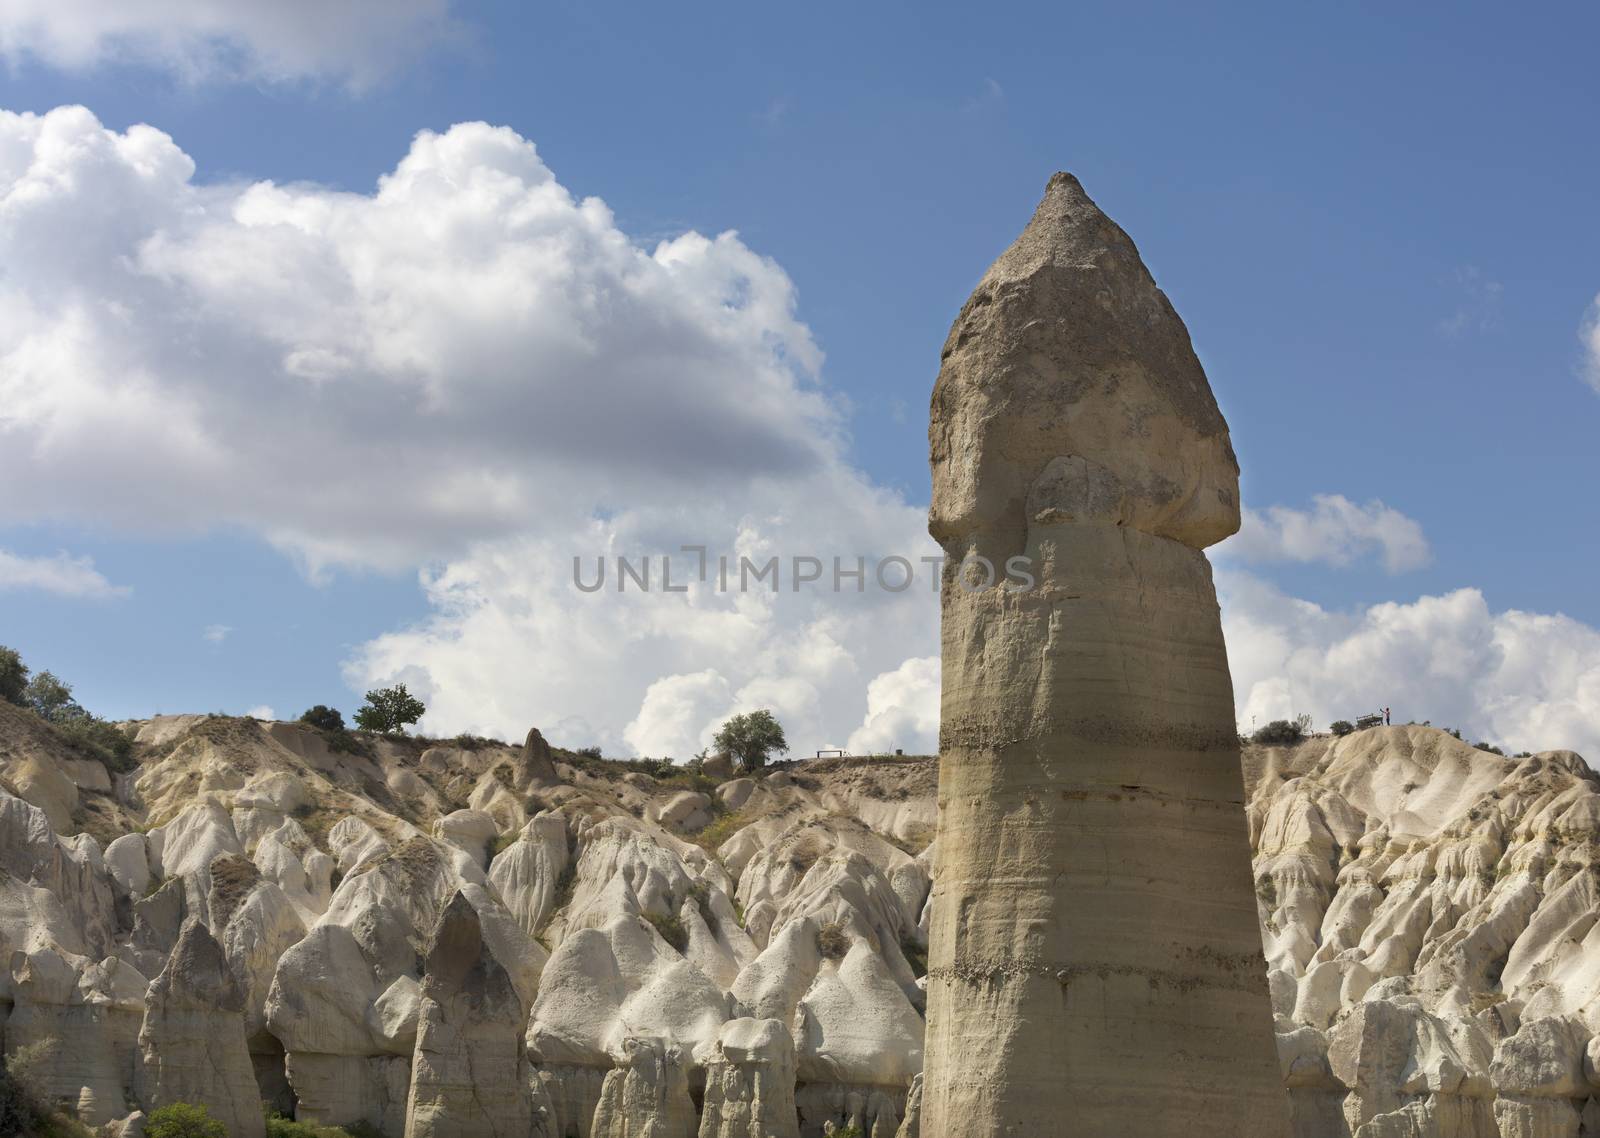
1069, 393
197, 973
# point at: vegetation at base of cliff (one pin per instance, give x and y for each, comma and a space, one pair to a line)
25, 1109
183, 1120
280, 1127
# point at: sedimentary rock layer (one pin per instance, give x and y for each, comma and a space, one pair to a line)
1095, 962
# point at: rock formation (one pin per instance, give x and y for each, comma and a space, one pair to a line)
468, 1076
1095, 963
1431, 913
646, 1095
194, 1036
750, 1082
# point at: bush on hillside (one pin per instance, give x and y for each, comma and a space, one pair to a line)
324, 718
183, 1120
1341, 727
1490, 747
1280, 733
833, 941
280, 1127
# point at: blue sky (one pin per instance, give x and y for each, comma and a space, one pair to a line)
1378, 225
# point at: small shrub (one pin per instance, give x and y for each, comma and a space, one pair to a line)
503, 842
587, 752
469, 742
848, 1132
720, 830
832, 941
1490, 747
105, 741
183, 1120
670, 928
280, 1127
324, 718
1279, 733
1341, 727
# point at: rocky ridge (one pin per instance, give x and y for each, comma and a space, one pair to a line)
368, 935
462, 937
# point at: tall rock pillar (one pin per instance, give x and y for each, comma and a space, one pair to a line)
1096, 967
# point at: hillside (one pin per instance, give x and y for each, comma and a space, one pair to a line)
369, 929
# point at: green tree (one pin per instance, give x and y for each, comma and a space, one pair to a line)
751, 738
325, 718
389, 710
1280, 733
52, 698
13, 677
183, 1120
1342, 727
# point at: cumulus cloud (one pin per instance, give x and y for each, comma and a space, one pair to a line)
512, 641
215, 633
382, 378
1335, 531
470, 369
902, 707
356, 42
262, 711
62, 574
1530, 681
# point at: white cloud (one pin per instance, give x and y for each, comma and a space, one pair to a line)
262, 711
1527, 680
215, 633
357, 42
63, 575
1335, 531
902, 710
471, 369
1589, 333
467, 368
467, 353
514, 643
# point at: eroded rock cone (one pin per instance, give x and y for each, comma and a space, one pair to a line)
750, 1074
1096, 966
193, 1036
646, 1093
468, 1075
